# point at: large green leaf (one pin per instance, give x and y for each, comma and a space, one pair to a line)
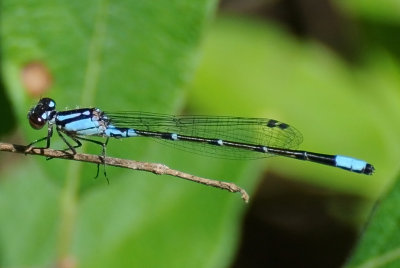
379, 245
134, 55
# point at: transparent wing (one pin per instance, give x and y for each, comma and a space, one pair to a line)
254, 131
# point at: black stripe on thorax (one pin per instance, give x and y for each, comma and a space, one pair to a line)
83, 113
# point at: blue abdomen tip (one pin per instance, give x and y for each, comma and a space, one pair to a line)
353, 164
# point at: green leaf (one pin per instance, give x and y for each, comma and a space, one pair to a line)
379, 245
134, 55
29, 212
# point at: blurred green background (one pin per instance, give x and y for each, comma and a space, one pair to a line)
329, 68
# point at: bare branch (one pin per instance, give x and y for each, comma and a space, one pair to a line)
155, 168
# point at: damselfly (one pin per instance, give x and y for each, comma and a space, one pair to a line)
217, 136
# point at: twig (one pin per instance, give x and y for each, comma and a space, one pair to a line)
155, 168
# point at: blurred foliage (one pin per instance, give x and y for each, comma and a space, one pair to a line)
142, 55
379, 11
8, 123
379, 245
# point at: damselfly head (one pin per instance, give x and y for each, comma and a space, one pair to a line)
40, 114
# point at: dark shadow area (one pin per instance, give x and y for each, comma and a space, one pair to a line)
8, 118
290, 224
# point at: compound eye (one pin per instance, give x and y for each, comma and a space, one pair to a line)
36, 122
